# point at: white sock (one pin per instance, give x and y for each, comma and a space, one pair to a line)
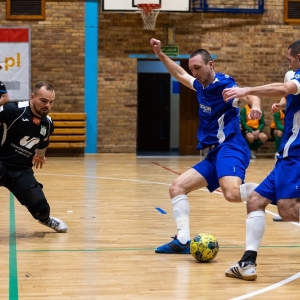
246, 189
255, 229
181, 212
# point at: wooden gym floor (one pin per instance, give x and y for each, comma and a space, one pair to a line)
118, 210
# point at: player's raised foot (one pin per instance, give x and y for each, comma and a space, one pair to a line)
244, 270
56, 224
277, 219
174, 247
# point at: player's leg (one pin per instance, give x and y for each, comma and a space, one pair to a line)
234, 190
289, 209
36, 203
255, 228
231, 168
288, 194
30, 194
185, 183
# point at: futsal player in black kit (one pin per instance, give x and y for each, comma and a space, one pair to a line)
25, 130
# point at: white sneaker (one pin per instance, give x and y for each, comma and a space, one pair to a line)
252, 154
56, 224
277, 219
244, 270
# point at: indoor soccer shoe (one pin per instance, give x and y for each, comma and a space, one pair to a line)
56, 224
243, 270
277, 219
174, 247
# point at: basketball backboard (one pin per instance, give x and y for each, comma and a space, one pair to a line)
131, 5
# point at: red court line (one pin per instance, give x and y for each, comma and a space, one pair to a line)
168, 169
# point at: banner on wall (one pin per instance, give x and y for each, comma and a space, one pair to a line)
15, 62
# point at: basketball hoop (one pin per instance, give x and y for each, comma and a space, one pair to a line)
149, 14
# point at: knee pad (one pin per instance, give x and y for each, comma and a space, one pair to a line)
40, 210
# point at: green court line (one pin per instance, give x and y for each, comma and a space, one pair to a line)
143, 249
13, 270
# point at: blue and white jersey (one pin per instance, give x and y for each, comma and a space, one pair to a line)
219, 120
290, 142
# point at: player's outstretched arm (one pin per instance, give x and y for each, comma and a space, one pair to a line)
277, 89
178, 72
255, 103
278, 106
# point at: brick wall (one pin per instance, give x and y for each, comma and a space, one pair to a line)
117, 106
57, 51
252, 48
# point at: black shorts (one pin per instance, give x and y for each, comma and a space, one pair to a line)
18, 180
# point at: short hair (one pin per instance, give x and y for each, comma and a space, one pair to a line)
294, 48
204, 53
48, 86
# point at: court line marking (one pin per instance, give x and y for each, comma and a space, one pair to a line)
121, 179
245, 296
13, 266
137, 249
161, 210
269, 288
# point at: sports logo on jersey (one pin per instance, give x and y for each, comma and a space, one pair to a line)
205, 108
28, 142
36, 121
43, 130
25, 119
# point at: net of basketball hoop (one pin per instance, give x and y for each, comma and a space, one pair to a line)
149, 12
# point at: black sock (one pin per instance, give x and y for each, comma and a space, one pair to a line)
249, 256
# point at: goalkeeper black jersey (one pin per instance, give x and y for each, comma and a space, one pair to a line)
22, 133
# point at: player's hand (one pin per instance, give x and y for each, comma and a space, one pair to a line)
156, 45
256, 133
234, 92
38, 161
276, 107
255, 114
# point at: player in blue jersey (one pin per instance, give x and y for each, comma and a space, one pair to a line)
282, 186
225, 165
25, 128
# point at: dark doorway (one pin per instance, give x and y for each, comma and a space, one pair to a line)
189, 120
153, 128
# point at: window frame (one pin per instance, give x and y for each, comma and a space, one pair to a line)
286, 18
25, 17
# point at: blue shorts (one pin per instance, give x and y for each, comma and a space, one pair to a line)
283, 182
227, 159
